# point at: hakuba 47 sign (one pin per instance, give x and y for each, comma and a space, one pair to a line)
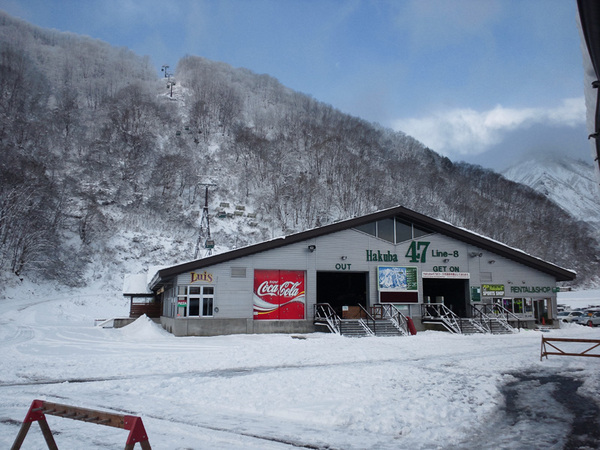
279, 294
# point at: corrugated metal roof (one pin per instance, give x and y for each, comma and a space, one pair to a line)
438, 226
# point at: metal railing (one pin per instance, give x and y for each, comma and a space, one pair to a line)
482, 319
367, 321
501, 315
324, 312
439, 312
391, 313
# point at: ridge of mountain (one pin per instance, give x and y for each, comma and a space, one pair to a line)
572, 184
104, 175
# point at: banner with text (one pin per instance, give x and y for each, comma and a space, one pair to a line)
279, 294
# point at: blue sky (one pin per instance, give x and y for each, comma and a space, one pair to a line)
483, 81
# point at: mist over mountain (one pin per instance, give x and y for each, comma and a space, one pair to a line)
102, 167
572, 184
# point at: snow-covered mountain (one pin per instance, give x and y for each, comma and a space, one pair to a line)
103, 175
570, 183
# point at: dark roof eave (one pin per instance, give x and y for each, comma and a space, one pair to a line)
589, 18
435, 225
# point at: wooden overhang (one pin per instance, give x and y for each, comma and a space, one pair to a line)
589, 17
560, 274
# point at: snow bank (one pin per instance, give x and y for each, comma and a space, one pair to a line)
145, 328
432, 390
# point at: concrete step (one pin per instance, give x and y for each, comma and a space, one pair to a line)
352, 328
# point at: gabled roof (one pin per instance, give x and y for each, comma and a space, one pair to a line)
418, 219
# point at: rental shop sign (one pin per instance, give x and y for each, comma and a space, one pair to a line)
532, 289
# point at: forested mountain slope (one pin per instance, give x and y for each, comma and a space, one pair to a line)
101, 167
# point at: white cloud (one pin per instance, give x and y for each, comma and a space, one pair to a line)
469, 132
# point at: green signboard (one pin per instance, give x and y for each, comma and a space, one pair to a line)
492, 290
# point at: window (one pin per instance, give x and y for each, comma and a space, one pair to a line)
207, 301
369, 228
238, 272
385, 229
420, 231
485, 277
394, 230
403, 231
515, 305
195, 301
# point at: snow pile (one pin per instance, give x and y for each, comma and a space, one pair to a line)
432, 390
144, 328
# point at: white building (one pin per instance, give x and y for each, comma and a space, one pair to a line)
395, 265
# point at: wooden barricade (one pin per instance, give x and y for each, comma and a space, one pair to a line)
548, 341
39, 408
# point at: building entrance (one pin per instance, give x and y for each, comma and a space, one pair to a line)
453, 293
342, 289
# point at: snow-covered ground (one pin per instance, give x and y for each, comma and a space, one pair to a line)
432, 390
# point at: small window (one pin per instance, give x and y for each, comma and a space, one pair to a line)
385, 229
403, 231
207, 306
420, 231
485, 276
194, 306
199, 301
238, 272
369, 228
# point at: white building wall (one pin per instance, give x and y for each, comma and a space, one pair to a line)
233, 295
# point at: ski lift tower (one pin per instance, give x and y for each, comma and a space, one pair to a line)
204, 234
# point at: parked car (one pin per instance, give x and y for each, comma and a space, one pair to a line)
570, 316
590, 319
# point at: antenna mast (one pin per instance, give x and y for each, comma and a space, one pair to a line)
205, 225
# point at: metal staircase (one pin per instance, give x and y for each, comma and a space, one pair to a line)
383, 320
492, 319
386, 320
500, 319
355, 328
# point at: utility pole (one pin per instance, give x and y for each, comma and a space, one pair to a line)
204, 234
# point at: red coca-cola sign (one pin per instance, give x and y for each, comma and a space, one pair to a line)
279, 294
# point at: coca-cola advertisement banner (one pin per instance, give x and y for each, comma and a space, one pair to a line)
279, 294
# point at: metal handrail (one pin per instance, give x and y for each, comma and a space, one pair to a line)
482, 319
441, 311
370, 320
324, 311
505, 313
366, 327
501, 314
391, 313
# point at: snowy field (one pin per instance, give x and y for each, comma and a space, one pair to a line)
433, 390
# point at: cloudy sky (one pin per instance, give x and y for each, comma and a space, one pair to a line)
484, 81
